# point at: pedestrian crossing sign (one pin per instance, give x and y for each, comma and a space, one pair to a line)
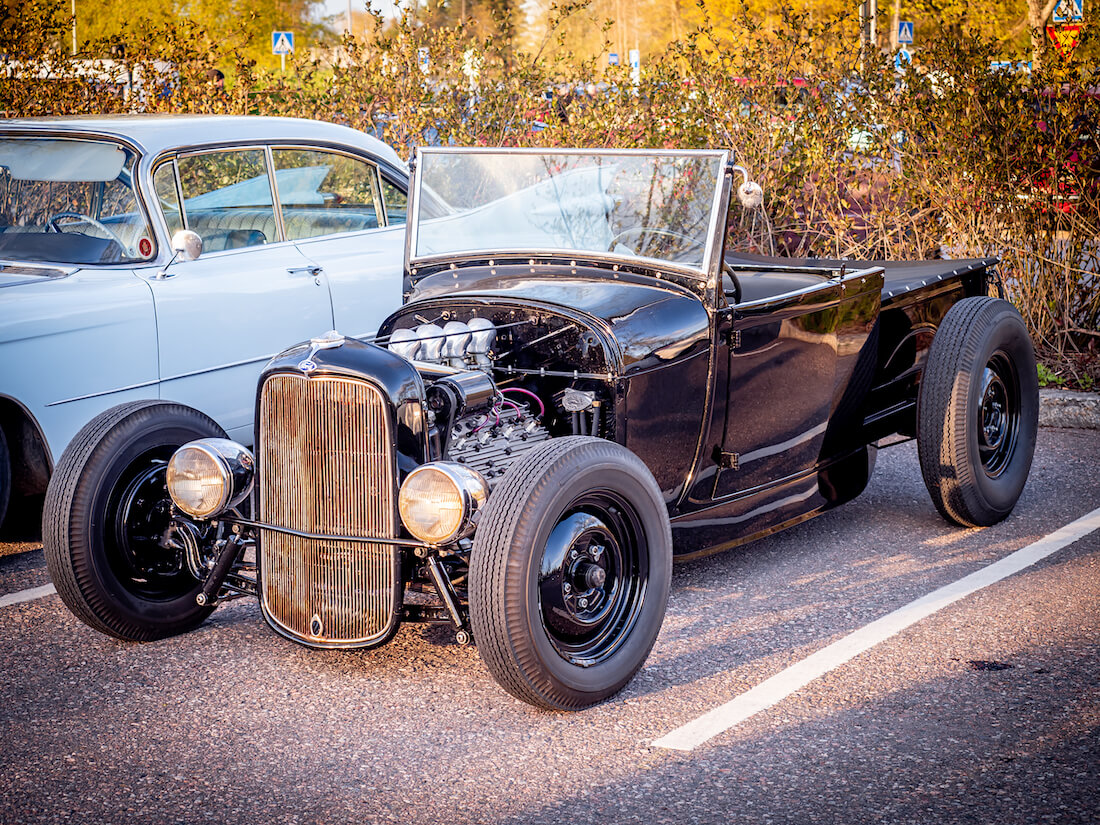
1068, 11
282, 43
905, 31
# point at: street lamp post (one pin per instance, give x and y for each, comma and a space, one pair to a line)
74, 28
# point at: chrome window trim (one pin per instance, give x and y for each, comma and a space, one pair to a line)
379, 209
156, 167
276, 204
385, 204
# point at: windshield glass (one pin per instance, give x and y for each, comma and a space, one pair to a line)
70, 201
657, 206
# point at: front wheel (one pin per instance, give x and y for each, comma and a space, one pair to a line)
111, 551
978, 412
570, 573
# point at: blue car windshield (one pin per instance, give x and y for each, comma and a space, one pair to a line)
659, 206
70, 201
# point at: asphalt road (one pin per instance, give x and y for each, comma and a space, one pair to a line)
985, 711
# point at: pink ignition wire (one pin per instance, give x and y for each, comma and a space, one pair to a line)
494, 411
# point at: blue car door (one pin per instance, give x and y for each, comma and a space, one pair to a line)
347, 219
248, 296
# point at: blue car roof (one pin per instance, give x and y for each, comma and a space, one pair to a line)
154, 134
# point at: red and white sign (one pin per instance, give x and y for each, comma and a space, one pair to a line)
1065, 38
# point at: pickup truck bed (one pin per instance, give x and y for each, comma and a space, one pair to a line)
901, 277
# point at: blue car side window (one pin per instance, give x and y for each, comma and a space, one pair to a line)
325, 193
227, 199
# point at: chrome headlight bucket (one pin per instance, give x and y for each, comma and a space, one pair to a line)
440, 502
209, 476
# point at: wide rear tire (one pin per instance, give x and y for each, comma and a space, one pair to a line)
570, 573
105, 519
978, 412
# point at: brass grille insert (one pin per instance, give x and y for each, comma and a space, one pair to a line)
327, 467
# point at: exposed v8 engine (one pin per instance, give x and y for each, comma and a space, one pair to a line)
488, 424
490, 444
472, 421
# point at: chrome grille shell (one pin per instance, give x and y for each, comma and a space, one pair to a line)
327, 458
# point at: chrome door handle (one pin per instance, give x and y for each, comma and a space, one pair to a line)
305, 271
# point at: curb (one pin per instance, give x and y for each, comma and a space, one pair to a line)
1076, 410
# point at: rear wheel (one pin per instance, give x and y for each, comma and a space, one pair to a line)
570, 573
112, 553
977, 412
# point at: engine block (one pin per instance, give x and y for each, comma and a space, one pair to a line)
491, 443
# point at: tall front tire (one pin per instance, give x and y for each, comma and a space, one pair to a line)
570, 573
105, 526
978, 412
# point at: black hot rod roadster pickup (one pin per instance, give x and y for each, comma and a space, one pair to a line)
581, 387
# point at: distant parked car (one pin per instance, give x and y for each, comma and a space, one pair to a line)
160, 257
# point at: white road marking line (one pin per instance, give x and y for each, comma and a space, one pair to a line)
27, 595
783, 684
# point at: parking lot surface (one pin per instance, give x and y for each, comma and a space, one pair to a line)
985, 710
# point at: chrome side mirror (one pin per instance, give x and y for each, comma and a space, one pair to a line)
750, 193
187, 245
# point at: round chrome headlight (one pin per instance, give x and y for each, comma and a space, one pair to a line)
209, 476
439, 502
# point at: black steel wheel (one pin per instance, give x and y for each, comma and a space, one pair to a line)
570, 572
109, 546
977, 412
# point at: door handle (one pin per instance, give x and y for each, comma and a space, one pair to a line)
305, 271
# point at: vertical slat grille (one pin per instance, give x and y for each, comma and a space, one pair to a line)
327, 467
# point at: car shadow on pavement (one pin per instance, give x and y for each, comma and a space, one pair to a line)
22, 527
757, 608
966, 744
24, 519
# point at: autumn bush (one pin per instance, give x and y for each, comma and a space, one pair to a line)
857, 161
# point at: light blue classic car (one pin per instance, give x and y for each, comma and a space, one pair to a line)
168, 258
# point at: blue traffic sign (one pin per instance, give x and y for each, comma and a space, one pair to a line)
613, 59
1068, 11
902, 60
282, 42
905, 31
1010, 66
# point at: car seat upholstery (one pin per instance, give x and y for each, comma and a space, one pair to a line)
224, 228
